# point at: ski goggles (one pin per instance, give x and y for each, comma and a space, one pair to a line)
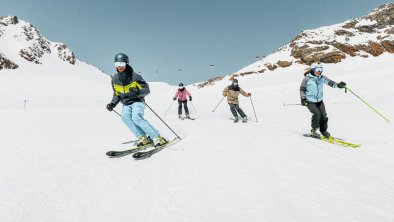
118, 64
318, 69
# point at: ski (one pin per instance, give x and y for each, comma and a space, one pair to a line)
334, 140
148, 153
128, 151
239, 119
183, 118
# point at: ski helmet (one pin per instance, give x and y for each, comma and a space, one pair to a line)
235, 80
121, 57
180, 84
315, 67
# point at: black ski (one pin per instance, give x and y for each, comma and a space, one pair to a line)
183, 118
128, 151
148, 153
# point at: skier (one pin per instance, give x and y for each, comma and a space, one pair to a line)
311, 92
130, 89
232, 91
182, 94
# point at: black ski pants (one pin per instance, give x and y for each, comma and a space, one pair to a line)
319, 116
235, 108
180, 107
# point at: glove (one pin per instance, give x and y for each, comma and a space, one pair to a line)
135, 91
190, 98
174, 98
110, 106
249, 94
341, 85
304, 102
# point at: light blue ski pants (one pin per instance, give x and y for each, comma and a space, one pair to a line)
133, 117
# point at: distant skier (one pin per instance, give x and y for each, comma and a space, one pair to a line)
182, 94
130, 89
232, 91
311, 92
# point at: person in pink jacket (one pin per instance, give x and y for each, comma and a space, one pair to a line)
182, 94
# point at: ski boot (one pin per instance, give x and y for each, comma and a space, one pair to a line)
236, 120
180, 116
143, 141
314, 133
326, 135
245, 119
160, 141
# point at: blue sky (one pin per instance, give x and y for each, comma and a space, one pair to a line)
177, 40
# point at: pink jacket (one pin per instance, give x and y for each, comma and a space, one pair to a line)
182, 94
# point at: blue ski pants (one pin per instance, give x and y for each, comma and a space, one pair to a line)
133, 117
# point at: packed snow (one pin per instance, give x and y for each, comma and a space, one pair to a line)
55, 131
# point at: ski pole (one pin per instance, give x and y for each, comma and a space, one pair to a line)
169, 108
253, 108
387, 120
193, 107
158, 116
116, 112
291, 104
218, 104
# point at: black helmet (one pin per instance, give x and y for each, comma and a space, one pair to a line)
235, 80
121, 57
180, 84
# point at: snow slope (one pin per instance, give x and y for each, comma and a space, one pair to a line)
53, 165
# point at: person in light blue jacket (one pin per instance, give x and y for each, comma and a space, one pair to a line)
311, 92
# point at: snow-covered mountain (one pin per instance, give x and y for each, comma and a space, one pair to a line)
55, 131
30, 61
368, 36
20, 39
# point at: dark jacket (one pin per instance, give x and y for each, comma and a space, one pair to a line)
123, 82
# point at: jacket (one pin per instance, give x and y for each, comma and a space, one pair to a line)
182, 94
123, 82
232, 94
312, 87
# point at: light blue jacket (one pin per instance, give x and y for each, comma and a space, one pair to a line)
312, 87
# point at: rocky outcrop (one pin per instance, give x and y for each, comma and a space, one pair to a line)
330, 46
64, 53
6, 63
284, 64
270, 66
210, 82
346, 48
372, 48
8, 20
388, 45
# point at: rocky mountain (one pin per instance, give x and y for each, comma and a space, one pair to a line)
369, 35
21, 42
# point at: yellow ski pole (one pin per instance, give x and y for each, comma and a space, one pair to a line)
387, 120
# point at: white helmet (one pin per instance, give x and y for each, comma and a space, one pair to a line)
316, 67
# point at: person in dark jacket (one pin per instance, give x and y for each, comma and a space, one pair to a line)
311, 92
130, 89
